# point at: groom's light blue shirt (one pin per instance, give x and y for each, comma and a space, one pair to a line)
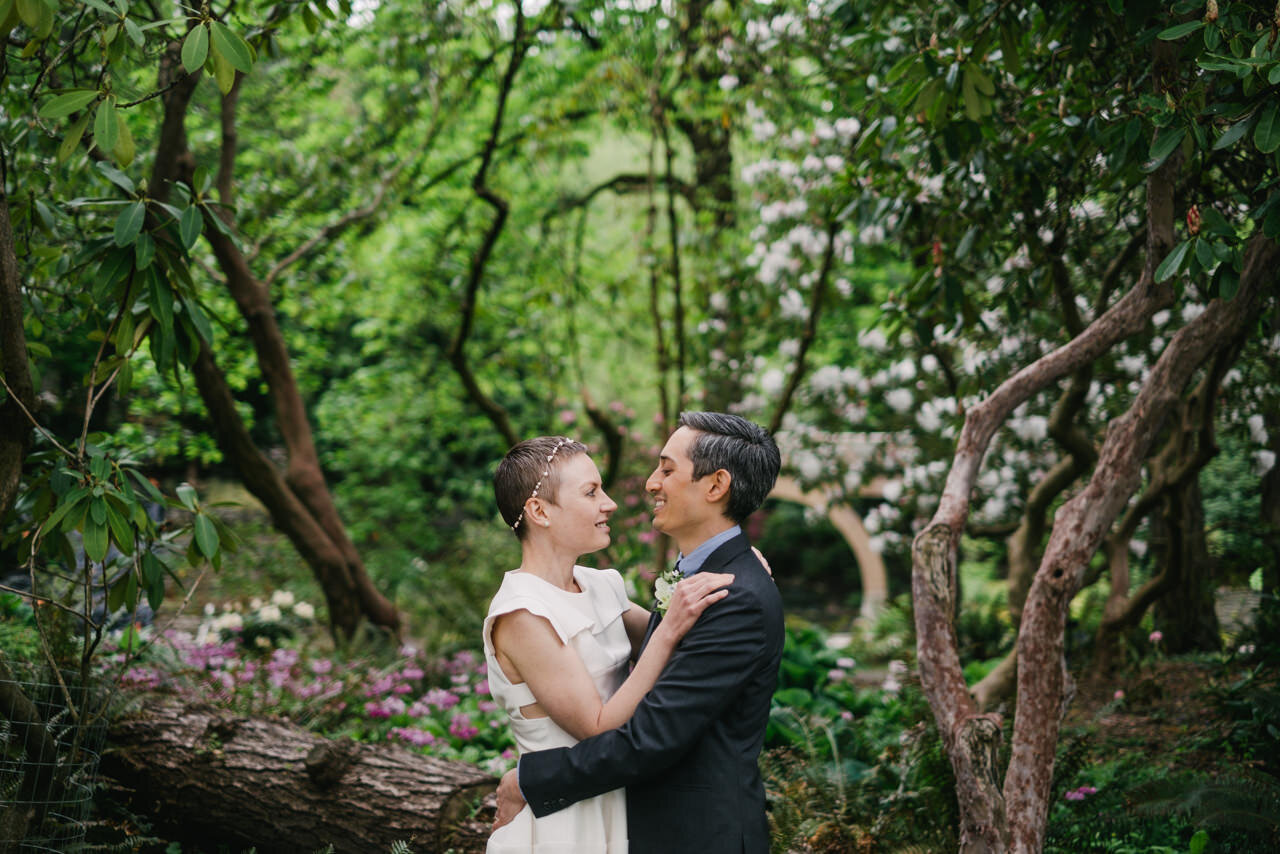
692, 562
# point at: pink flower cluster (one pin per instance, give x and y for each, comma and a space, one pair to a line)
1081, 793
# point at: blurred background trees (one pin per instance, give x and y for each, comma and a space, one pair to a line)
345, 254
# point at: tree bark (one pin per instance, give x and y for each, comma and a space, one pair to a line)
1078, 530
1185, 613
15, 427
1269, 509
203, 774
299, 500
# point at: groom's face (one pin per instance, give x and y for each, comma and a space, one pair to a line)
679, 501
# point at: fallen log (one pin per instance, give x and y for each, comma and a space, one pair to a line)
207, 776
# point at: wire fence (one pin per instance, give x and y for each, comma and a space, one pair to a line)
50, 738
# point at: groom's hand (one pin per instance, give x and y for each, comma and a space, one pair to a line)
510, 801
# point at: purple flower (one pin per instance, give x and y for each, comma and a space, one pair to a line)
462, 728
416, 737
482, 688
487, 706
1074, 795
440, 698
380, 686
321, 666
1156, 636
384, 708
412, 672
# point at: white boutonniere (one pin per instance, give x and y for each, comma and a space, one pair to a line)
664, 587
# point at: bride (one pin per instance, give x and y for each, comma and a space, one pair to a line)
559, 637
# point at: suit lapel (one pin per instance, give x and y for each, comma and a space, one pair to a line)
715, 562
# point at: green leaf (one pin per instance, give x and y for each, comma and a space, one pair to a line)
129, 223
106, 126
1165, 143
198, 320
1199, 840
1009, 50
1233, 133
233, 48
1267, 134
134, 32
115, 176
30, 11
972, 104
1273, 76
190, 226
900, 67
223, 73
1177, 31
1229, 284
144, 251
60, 106
95, 540
1173, 262
195, 48
62, 510
187, 495
161, 306
206, 536
124, 147
1204, 254
1117, 6
121, 531
71, 141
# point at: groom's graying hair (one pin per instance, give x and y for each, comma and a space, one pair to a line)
520, 472
743, 449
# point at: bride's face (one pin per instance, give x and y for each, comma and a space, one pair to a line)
580, 517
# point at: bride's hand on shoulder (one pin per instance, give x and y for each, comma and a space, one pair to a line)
692, 596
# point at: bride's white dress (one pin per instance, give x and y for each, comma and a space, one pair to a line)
590, 622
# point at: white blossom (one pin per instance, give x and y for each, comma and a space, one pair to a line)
1258, 429
899, 399
1264, 461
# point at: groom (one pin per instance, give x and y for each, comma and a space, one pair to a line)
688, 755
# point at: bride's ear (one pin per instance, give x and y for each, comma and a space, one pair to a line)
536, 512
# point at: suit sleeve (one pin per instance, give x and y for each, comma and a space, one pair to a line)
700, 682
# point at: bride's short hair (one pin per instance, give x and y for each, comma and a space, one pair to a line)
530, 465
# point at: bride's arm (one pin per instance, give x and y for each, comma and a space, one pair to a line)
530, 651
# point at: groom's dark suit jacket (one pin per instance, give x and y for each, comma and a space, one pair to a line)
688, 755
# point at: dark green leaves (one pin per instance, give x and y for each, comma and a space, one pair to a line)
190, 226
61, 106
1173, 262
129, 223
1267, 134
195, 48
1177, 31
1165, 143
232, 48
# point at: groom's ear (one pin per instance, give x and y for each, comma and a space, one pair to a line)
718, 483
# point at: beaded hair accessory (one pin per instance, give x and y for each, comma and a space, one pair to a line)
545, 472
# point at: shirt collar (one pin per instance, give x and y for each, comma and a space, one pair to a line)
693, 561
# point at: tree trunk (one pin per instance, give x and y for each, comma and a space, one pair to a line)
205, 775
299, 501
1078, 530
15, 428
1270, 507
1185, 613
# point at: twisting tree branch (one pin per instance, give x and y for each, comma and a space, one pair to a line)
810, 332
457, 352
